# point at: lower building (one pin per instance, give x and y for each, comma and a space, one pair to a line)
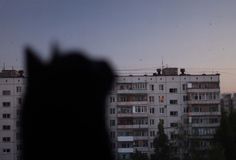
11, 90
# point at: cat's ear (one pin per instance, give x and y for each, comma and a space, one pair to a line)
33, 63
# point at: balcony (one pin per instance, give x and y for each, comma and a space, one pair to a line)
217, 101
131, 91
131, 103
204, 113
199, 90
140, 137
205, 124
142, 149
125, 150
125, 138
132, 115
134, 126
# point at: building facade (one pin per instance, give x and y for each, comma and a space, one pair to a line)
228, 102
11, 90
137, 103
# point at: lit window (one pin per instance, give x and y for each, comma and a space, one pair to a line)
161, 99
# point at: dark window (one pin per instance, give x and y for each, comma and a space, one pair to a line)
6, 139
173, 113
18, 89
173, 101
112, 122
6, 127
6, 92
6, 115
173, 125
185, 98
6, 104
6, 150
152, 110
173, 90
19, 101
161, 87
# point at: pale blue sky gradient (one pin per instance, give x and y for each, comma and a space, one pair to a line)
197, 35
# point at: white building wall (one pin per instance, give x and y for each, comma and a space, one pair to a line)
168, 82
10, 150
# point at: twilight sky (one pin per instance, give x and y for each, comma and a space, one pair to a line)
133, 34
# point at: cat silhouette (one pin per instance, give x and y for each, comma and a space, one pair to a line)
64, 113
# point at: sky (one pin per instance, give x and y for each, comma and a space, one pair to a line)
134, 35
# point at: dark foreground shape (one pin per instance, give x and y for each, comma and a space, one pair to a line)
63, 115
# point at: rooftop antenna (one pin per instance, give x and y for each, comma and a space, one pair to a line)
4, 66
162, 65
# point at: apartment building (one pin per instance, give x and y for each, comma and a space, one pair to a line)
137, 103
228, 102
11, 90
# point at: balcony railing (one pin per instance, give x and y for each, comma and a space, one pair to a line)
125, 150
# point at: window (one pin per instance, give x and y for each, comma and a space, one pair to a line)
185, 98
112, 110
112, 99
18, 147
161, 99
151, 144
140, 109
6, 127
173, 101
113, 135
6, 92
6, 104
173, 113
19, 101
189, 85
184, 86
18, 89
195, 109
6, 139
151, 98
161, 87
152, 87
162, 110
152, 110
152, 133
152, 121
18, 123
112, 122
173, 125
173, 90
6, 150
6, 115
213, 109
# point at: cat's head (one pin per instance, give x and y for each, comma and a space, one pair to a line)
69, 72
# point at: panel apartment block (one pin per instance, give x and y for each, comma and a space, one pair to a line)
11, 90
137, 103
